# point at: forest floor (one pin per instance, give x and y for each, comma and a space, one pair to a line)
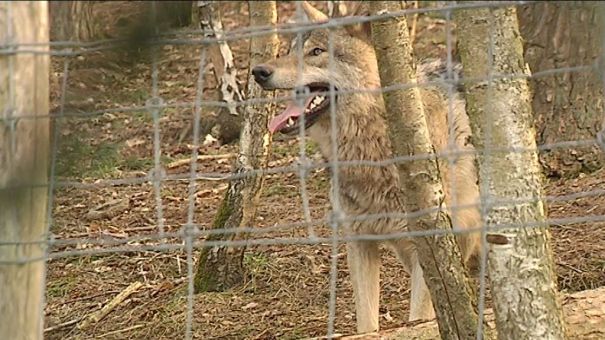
287, 294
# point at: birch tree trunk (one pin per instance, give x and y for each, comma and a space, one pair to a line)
220, 267
224, 125
220, 55
440, 258
567, 105
24, 140
72, 20
520, 261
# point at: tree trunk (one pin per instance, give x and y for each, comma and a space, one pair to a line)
520, 261
224, 124
220, 267
24, 140
72, 21
174, 14
440, 258
567, 106
220, 55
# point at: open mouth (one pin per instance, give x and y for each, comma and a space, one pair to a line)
310, 111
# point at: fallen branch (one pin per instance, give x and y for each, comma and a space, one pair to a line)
63, 324
88, 297
101, 232
182, 162
116, 301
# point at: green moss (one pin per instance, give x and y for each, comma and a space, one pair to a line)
255, 262
205, 279
224, 211
134, 163
60, 287
76, 157
203, 282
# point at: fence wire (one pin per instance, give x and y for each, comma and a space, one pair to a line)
191, 235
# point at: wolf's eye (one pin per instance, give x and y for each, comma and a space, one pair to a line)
317, 51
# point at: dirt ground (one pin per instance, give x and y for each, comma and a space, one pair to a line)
288, 293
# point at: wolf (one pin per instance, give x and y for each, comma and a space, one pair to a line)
362, 135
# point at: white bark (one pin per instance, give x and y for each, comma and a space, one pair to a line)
220, 55
521, 270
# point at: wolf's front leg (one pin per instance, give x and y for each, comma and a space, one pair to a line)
364, 266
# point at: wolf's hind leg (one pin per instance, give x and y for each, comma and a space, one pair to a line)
421, 306
363, 258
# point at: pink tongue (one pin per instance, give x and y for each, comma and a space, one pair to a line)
293, 110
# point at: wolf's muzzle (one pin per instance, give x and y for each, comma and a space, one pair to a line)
262, 74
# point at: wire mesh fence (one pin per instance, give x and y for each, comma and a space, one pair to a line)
187, 230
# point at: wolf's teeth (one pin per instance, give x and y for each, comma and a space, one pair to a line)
317, 100
290, 122
312, 106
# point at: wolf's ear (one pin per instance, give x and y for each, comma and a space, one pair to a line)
313, 13
361, 30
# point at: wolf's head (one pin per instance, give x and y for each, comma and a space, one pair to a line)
353, 67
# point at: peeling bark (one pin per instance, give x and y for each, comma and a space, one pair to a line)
520, 260
225, 123
440, 258
24, 154
220, 267
567, 106
220, 55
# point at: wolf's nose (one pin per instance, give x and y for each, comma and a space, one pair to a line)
262, 73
